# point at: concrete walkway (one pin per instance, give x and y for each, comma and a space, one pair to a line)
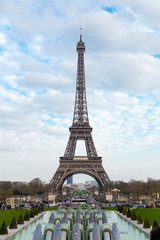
135, 224
12, 232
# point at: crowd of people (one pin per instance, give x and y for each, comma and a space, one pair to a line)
4, 206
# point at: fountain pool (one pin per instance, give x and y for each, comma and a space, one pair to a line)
127, 230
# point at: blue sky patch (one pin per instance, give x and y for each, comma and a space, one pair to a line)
41, 92
60, 13
22, 44
9, 87
111, 10
58, 39
2, 49
13, 38
49, 122
6, 27
7, 100
156, 55
51, 115
42, 60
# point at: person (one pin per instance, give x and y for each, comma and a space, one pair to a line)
155, 234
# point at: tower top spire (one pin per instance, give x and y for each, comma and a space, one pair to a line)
80, 117
81, 34
80, 44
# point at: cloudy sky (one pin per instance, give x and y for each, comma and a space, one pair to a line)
38, 62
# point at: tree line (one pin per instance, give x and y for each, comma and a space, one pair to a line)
34, 187
133, 188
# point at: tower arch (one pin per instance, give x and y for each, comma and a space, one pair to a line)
86, 172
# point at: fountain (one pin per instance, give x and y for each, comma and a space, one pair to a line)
80, 224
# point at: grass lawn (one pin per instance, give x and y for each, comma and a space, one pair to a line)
151, 213
50, 208
8, 215
109, 208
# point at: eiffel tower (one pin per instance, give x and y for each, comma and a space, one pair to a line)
70, 164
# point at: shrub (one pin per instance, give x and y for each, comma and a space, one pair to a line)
133, 216
146, 223
121, 209
35, 211
26, 217
13, 223
39, 210
20, 219
3, 229
118, 208
129, 213
124, 211
42, 208
139, 219
155, 224
32, 214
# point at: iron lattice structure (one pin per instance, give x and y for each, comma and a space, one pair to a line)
80, 130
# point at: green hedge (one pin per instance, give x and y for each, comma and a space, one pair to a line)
3, 229
133, 215
155, 224
31, 214
139, 219
20, 220
129, 213
35, 211
13, 224
49, 208
26, 216
7, 216
125, 211
151, 213
146, 223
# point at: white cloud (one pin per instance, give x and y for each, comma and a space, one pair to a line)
2, 39
147, 11
128, 72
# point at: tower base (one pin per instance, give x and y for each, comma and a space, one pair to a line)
78, 165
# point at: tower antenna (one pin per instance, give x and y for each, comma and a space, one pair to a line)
80, 34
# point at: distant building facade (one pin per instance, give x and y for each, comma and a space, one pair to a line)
70, 180
93, 182
87, 182
80, 185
